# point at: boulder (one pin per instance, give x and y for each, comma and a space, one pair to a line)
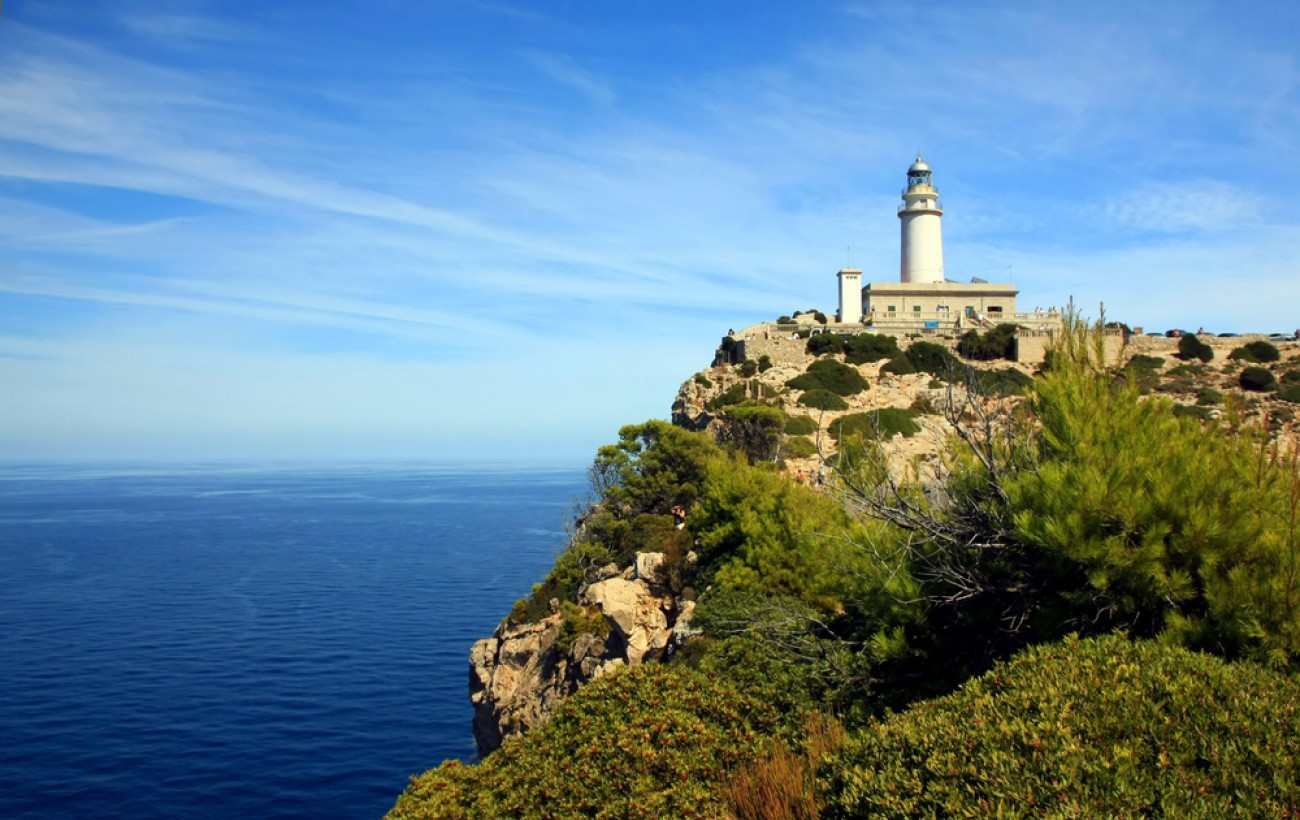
518, 677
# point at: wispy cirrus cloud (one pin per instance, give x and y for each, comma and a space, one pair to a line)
564, 70
1207, 205
468, 183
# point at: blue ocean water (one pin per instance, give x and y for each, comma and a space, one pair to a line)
251, 641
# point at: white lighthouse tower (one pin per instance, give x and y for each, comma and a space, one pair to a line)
922, 242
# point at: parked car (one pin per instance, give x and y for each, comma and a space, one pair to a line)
1229, 335
1175, 333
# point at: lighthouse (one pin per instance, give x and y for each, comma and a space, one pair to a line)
922, 242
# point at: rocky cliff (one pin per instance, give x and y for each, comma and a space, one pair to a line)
632, 614
520, 674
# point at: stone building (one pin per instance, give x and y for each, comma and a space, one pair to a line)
923, 301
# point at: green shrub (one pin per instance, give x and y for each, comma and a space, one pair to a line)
1263, 351
928, 357
899, 365
798, 447
764, 363
703, 380
735, 394
884, 423
562, 582
800, 426
784, 320
1209, 397
1142, 362
578, 620
1291, 394
747, 368
824, 343
652, 741
1190, 347
832, 375
820, 399
1185, 384
1006, 382
1290, 377
870, 347
1096, 728
1183, 370
1258, 379
998, 343
1255, 352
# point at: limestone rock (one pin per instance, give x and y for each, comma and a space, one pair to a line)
652, 567
520, 674
636, 615
518, 677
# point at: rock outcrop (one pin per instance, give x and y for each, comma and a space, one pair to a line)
520, 674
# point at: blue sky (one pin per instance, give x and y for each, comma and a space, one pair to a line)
440, 230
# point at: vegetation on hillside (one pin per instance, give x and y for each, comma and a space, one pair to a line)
1082, 510
1100, 728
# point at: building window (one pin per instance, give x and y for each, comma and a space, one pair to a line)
995, 308
916, 308
890, 308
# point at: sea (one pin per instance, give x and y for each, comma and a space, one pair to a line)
271, 641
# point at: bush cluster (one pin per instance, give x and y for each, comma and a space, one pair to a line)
1255, 352
824, 343
1257, 379
870, 347
1096, 512
821, 399
998, 343
798, 447
800, 426
1093, 728
832, 375
1190, 347
735, 394
899, 365
754, 429
652, 741
932, 358
884, 423
1005, 382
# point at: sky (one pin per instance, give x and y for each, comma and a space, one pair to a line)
500, 230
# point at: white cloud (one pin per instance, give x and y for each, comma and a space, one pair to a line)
562, 69
579, 225
1188, 206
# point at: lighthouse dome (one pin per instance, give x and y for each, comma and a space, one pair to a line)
918, 166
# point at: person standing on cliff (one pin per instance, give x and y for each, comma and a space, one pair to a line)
679, 516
